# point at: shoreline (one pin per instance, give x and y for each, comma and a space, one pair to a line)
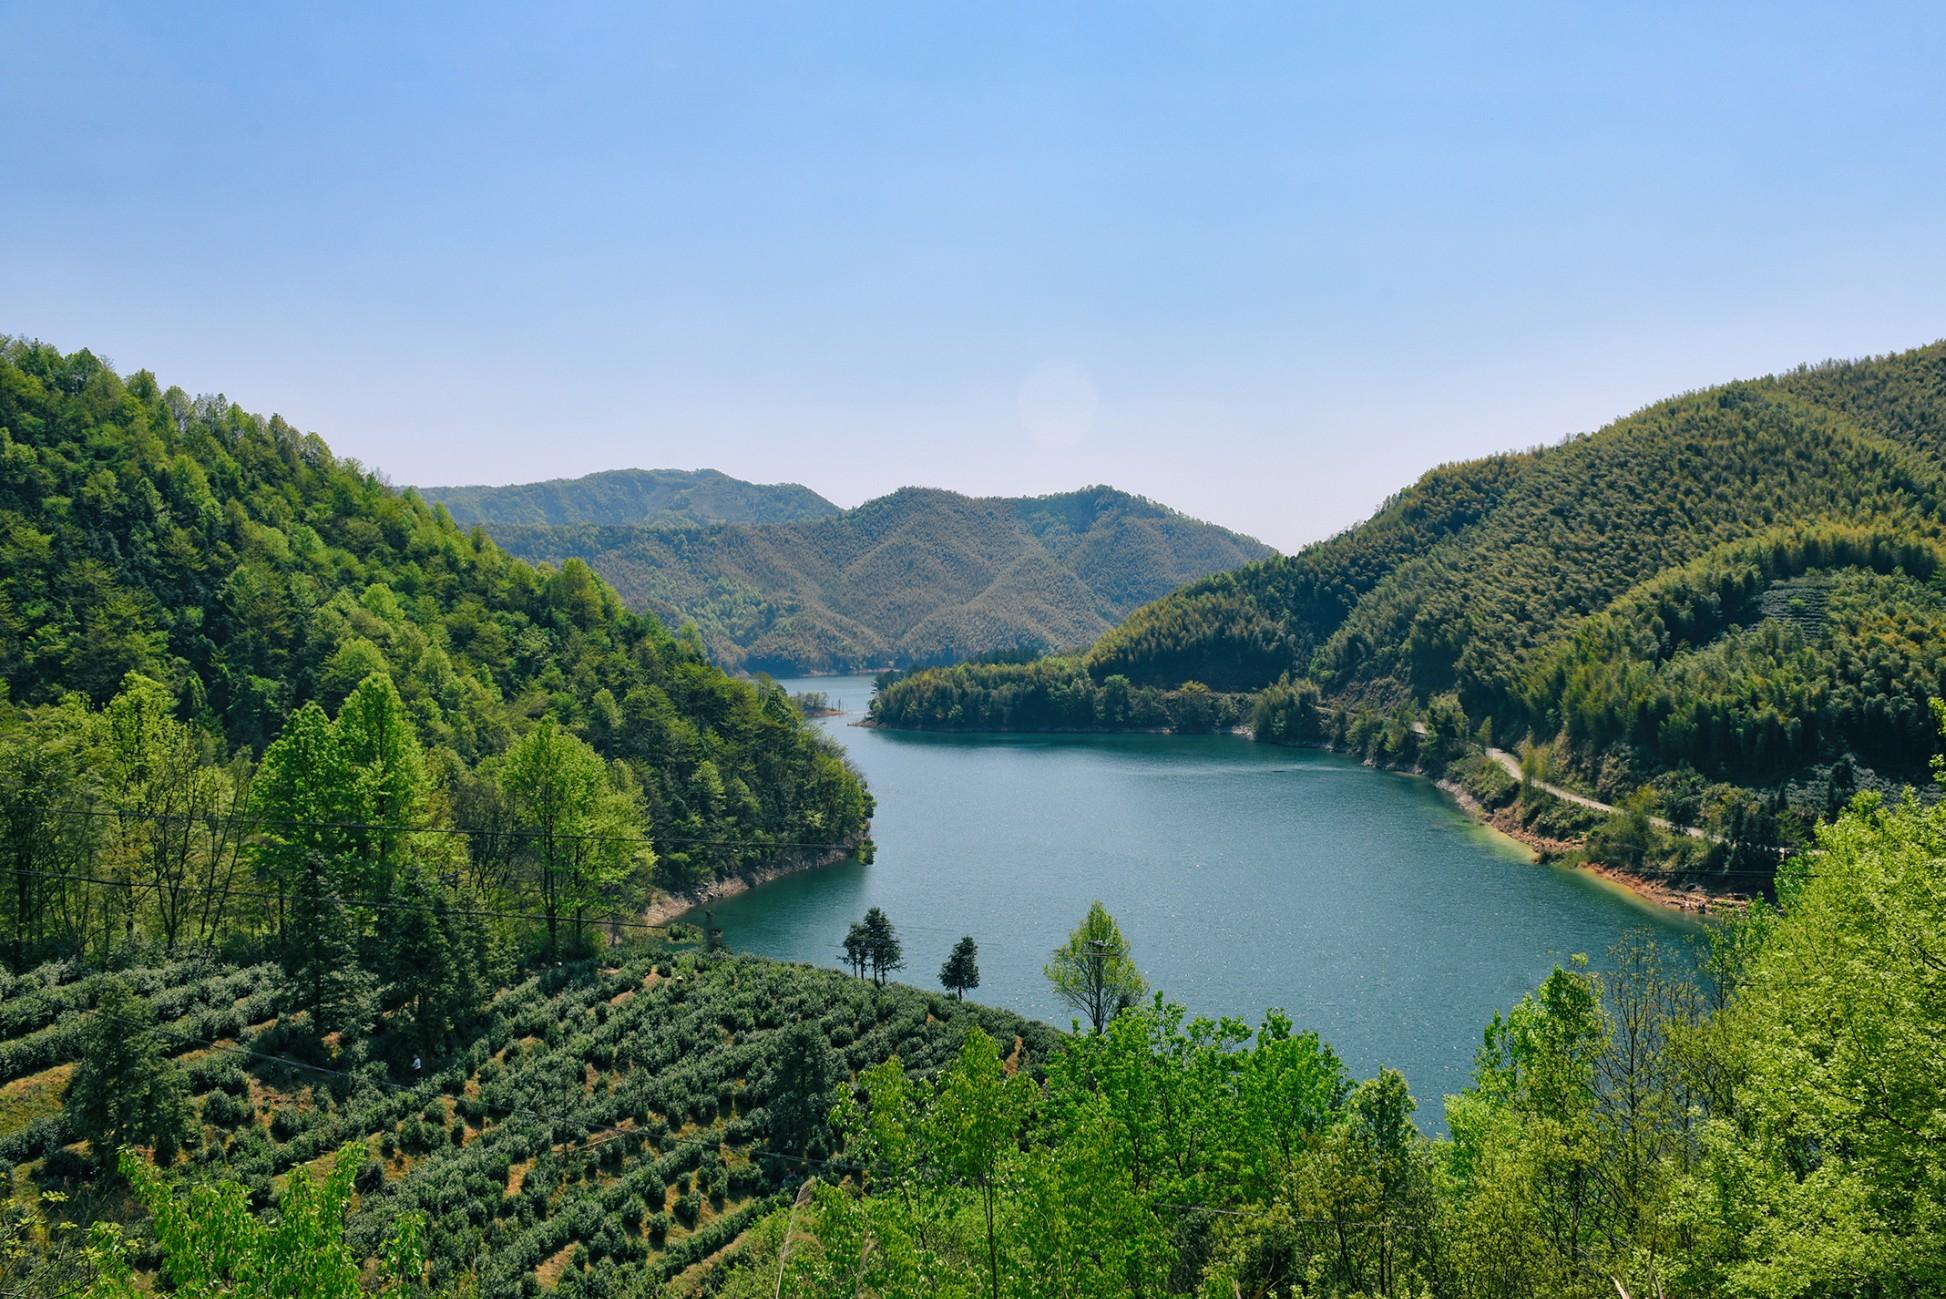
672, 906
1661, 890
1694, 899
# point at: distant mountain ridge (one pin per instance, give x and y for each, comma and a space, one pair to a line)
633, 496
920, 576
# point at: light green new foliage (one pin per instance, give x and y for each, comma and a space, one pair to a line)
973, 1127
586, 820
977, 1186
300, 800
377, 743
306, 801
212, 1247
155, 770
1830, 1176
1093, 971
1525, 1165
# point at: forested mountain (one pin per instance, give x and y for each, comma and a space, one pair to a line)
1740, 584
224, 573
321, 820
657, 497
920, 576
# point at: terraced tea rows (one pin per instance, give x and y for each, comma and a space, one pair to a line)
602, 1123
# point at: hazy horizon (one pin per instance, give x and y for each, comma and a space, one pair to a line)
1265, 266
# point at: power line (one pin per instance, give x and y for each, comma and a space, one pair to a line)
361, 903
249, 822
612, 1132
116, 812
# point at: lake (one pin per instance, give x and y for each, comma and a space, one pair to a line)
1363, 903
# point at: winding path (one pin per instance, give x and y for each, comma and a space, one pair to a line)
1511, 765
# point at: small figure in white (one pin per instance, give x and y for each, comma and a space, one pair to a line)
415, 1064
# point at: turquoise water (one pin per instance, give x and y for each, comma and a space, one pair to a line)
1363, 903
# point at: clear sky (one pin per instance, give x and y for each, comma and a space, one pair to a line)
1263, 263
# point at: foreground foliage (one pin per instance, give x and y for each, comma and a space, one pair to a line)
732, 1126
1771, 1130
1774, 1130
212, 1246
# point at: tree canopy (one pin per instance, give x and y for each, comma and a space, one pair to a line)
1093, 971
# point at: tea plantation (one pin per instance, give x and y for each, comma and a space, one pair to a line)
605, 1125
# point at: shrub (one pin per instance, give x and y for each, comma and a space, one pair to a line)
285, 1124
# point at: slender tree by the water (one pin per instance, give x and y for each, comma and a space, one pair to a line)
961, 972
1093, 971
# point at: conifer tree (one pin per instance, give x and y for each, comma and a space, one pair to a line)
961, 972
883, 951
420, 969
798, 1089
857, 948
126, 1090
321, 955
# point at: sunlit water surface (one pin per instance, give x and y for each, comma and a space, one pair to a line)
1363, 903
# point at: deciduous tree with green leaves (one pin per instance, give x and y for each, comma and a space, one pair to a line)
387, 789
586, 845
300, 804
213, 1247
1827, 1174
1093, 971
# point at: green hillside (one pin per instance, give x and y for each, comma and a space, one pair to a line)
1735, 585
158, 546
920, 576
597, 1126
322, 821
657, 497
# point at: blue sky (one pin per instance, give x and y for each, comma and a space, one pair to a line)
1264, 263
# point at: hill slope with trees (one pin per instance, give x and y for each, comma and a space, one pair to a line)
920, 576
322, 982
1735, 586
656, 497
221, 574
